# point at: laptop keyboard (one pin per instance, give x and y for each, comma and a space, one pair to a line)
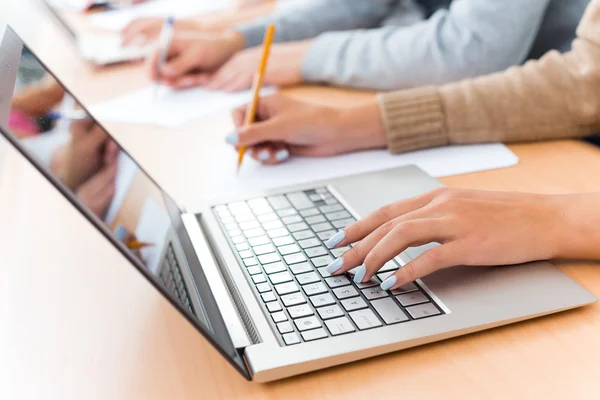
171, 278
280, 242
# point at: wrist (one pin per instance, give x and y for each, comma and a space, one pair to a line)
235, 40
363, 124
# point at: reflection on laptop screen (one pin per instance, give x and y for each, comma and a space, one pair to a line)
51, 125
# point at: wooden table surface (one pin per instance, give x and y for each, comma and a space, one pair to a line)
77, 322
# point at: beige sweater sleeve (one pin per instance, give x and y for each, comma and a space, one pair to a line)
555, 97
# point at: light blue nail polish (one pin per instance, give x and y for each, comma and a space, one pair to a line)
335, 239
360, 274
121, 232
388, 283
233, 138
335, 265
282, 155
264, 155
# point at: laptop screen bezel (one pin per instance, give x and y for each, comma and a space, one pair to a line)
223, 344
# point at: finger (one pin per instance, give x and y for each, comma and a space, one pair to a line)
79, 129
241, 82
180, 64
271, 154
151, 62
96, 136
190, 80
102, 179
238, 115
271, 130
439, 257
365, 226
223, 75
404, 235
111, 153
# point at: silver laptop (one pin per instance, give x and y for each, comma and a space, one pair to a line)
249, 273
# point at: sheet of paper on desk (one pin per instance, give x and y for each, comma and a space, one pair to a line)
171, 108
118, 19
443, 161
152, 227
126, 170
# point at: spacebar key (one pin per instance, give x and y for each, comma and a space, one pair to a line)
300, 200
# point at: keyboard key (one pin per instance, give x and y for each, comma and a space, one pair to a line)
355, 303
314, 197
322, 261
269, 296
339, 326
297, 227
228, 220
258, 203
342, 223
293, 299
314, 288
316, 251
329, 312
250, 233
272, 225
304, 324
321, 227
244, 218
292, 219
409, 287
294, 258
285, 327
278, 202
345, 291
389, 266
245, 254
423, 310
234, 232
321, 300
365, 319
314, 334
383, 276
239, 208
308, 243
280, 277
389, 311
249, 225
231, 226
324, 236
337, 215
291, 338
238, 239
274, 268
274, 306
254, 270
322, 190
285, 288
301, 268
303, 235
315, 219
300, 200
309, 212
259, 278
242, 246
370, 283
374, 293
269, 258
283, 241
410, 299
279, 316
263, 287
323, 272
275, 233
287, 212
248, 262
264, 249
331, 201
310, 277
300, 311
259, 240
331, 208
289, 249
268, 218
336, 281
340, 251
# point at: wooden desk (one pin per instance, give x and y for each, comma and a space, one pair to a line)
79, 323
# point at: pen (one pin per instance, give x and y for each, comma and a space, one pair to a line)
164, 43
256, 86
73, 115
135, 245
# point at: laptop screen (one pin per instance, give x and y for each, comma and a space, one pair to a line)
53, 130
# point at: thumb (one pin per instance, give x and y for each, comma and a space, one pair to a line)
180, 64
271, 130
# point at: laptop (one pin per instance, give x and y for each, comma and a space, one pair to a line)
249, 272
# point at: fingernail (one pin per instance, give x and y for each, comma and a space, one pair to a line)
360, 274
282, 155
121, 232
232, 138
335, 265
389, 282
335, 239
264, 155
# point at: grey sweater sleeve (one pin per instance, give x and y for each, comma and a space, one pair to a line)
472, 38
303, 19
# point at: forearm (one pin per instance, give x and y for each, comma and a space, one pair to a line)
577, 226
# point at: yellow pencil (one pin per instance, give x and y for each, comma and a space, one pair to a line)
135, 245
256, 86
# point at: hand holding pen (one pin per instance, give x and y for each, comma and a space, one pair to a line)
164, 43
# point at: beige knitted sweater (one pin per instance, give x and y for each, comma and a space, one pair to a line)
555, 97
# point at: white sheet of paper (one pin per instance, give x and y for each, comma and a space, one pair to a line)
68, 5
438, 162
126, 170
152, 227
106, 48
118, 19
171, 108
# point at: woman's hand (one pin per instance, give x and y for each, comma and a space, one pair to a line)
472, 227
286, 126
144, 30
283, 67
98, 191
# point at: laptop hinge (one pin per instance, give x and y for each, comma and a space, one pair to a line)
233, 320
